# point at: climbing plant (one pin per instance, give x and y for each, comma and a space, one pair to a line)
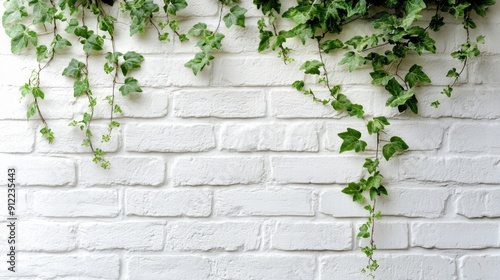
402, 29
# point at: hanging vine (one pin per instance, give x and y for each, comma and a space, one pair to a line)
400, 33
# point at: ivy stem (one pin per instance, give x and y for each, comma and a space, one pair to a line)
115, 75
40, 69
220, 17
325, 73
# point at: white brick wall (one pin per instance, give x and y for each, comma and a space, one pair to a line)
233, 175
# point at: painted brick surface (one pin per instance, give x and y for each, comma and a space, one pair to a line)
234, 175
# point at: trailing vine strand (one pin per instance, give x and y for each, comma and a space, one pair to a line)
398, 36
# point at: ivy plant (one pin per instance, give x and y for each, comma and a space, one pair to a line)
400, 33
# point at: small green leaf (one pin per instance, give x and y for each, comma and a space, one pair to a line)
31, 110
299, 85
371, 165
311, 67
235, 16
416, 75
173, 6
447, 91
395, 145
198, 29
131, 85
376, 125
41, 53
47, 134
74, 69
38, 93
352, 141
60, 43
132, 61
352, 60
331, 45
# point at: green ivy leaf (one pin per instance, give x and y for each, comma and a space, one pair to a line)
198, 30
25, 90
298, 85
395, 145
352, 141
107, 23
21, 36
94, 42
352, 60
416, 75
132, 61
377, 124
131, 85
447, 91
60, 43
343, 103
47, 134
81, 87
41, 53
199, 62
268, 5
312, 67
235, 16
173, 6
74, 69
38, 93
31, 110
331, 45
371, 165
380, 78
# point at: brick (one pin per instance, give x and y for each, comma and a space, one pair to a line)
69, 139
41, 171
269, 137
156, 71
150, 103
17, 137
171, 203
66, 266
276, 267
456, 169
260, 71
134, 236
169, 138
319, 169
46, 236
303, 106
420, 136
219, 103
264, 202
57, 105
76, 203
475, 137
484, 69
479, 203
225, 236
455, 235
217, 171
410, 201
479, 267
140, 171
466, 102
421, 266
311, 236
168, 267
387, 236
